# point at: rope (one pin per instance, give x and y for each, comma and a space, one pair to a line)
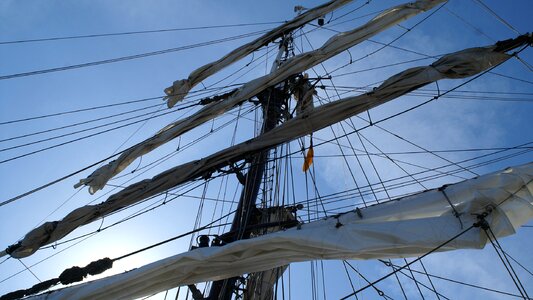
455, 212
497, 16
464, 283
64, 177
130, 57
68, 276
393, 266
493, 240
410, 263
97, 35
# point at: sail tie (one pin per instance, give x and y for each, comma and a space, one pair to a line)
455, 212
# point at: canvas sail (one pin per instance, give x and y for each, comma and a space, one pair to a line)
294, 65
456, 65
406, 227
180, 88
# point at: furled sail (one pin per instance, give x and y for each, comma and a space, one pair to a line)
180, 88
405, 227
294, 65
456, 65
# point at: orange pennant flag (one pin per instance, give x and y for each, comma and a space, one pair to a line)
308, 159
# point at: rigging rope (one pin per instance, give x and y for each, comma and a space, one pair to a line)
410, 263
331, 127
90, 135
378, 291
78, 110
152, 115
505, 261
76, 124
397, 185
130, 57
432, 288
497, 16
96, 35
84, 169
464, 283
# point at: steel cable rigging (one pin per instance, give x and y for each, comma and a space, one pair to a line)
64, 177
97, 35
130, 57
206, 90
79, 110
90, 166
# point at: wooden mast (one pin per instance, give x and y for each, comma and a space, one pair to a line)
272, 101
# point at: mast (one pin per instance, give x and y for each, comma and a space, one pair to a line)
272, 101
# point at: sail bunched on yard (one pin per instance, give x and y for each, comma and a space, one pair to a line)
405, 227
299, 63
461, 64
181, 88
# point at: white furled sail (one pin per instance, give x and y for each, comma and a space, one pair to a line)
406, 227
180, 88
292, 66
456, 65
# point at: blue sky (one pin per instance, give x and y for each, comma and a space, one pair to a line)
448, 123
